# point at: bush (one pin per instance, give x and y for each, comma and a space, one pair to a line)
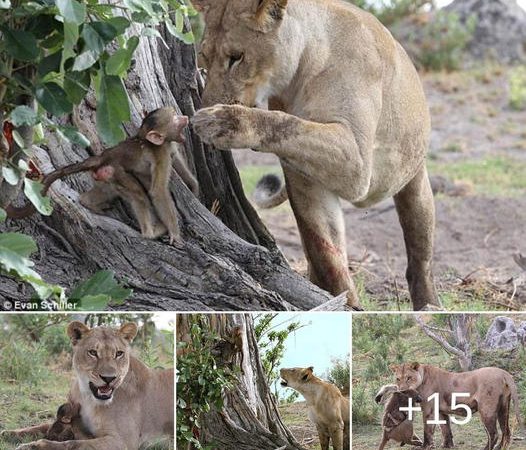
443, 41
340, 373
517, 83
364, 409
391, 11
23, 363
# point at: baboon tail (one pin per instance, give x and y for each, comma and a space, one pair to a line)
270, 191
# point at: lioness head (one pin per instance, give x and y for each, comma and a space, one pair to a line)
240, 49
409, 376
101, 357
296, 376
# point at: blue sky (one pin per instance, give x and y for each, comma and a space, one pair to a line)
327, 335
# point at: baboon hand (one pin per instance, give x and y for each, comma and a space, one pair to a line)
226, 126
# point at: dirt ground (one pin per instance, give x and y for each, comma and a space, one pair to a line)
476, 139
295, 417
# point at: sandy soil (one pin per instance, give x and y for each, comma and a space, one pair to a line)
476, 235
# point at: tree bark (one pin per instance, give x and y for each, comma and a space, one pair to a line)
229, 261
249, 418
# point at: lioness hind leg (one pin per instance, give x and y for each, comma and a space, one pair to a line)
320, 221
490, 424
447, 435
503, 415
416, 211
22, 433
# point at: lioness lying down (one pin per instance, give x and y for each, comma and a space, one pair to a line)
490, 390
329, 410
123, 403
347, 118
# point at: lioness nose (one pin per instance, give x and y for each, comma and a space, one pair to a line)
107, 380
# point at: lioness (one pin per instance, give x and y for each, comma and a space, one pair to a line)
348, 119
123, 403
328, 409
490, 392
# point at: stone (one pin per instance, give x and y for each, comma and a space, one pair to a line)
502, 334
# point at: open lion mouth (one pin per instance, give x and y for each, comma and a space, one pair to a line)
101, 392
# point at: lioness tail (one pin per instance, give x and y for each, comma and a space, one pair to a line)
515, 398
270, 191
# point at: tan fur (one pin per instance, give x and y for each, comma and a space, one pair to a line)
142, 406
353, 121
395, 423
328, 408
491, 391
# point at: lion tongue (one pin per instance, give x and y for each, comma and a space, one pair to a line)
105, 389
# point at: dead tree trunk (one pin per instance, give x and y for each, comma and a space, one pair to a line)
455, 340
249, 418
229, 260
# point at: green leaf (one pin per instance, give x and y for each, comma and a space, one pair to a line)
33, 191
53, 99
119, 62
19, 243
3, 215
97, 35
72, 11
112, 109
73, 135
93, 302
85, 60
71, 36
5, 4
119, 23
50, 63
23, 115
102, 283
21, 45
10, 175
76, 85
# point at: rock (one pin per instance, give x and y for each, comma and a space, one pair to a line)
502, 334
500, 33
521, 333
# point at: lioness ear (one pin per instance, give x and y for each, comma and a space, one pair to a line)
128, 331
268, 16
307, 373
76, 330
415, 366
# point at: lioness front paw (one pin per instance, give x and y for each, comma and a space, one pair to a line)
226, 126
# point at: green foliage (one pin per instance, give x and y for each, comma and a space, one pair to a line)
340, 373
517, 96
92, 295
22, 360
200, 381
271, 344
391, 11
444, 39
53, 51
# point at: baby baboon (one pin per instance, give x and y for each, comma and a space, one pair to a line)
226, 349
395, 423
138, 171
67, 426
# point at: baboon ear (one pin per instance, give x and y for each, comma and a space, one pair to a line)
128, 331
155, 138
268, 16
76, 331
415, 366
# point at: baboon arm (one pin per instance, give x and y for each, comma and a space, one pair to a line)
161, 197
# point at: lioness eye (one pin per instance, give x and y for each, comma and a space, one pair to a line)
119, 354
92, 353
235, 59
